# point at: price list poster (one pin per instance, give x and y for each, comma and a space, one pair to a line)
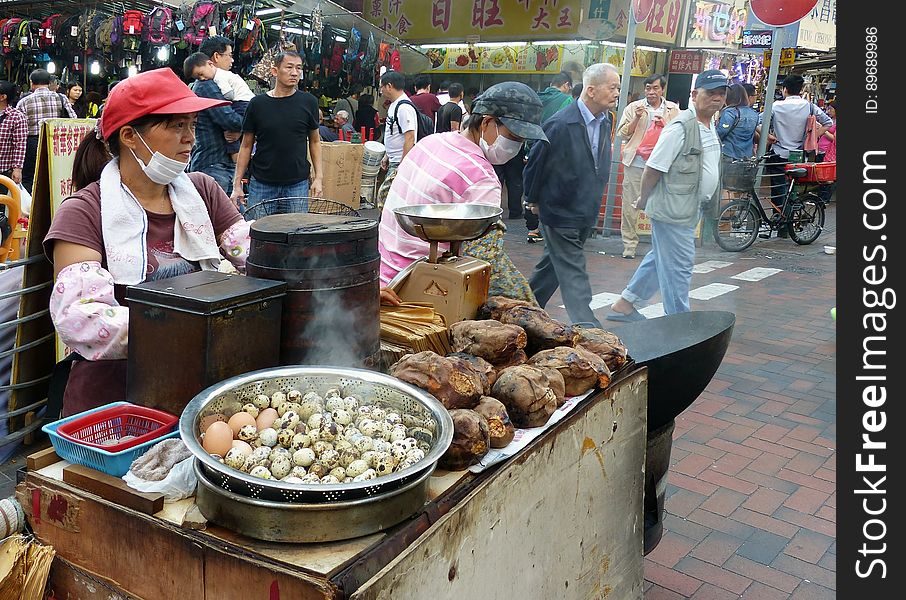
871, 255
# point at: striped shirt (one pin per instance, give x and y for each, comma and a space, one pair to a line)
42, 104
13, 131
445, 168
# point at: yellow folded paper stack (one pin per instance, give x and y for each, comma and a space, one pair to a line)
412, 327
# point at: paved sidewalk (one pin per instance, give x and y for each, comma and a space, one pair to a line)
750, 500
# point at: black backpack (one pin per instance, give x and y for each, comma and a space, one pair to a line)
425, 125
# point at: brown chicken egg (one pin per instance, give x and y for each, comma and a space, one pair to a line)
218, 438
238, 420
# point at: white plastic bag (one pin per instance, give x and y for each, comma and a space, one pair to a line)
24, 201
179, 483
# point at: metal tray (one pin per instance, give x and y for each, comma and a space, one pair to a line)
228, 397
319, 522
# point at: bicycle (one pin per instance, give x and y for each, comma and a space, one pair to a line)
801, 213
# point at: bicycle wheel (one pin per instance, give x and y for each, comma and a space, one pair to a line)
806, 220
737, 226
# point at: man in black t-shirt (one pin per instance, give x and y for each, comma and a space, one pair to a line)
274, 124
450, 116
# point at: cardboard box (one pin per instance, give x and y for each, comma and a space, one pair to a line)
342, 165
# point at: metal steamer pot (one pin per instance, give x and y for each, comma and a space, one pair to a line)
274, 510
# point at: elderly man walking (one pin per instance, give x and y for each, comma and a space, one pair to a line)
643, 120
565, 180
681, 175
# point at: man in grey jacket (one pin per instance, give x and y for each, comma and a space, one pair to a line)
681, 176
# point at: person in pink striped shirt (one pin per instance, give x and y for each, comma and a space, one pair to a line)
457, 168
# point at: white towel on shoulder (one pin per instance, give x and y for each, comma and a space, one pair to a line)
124, 225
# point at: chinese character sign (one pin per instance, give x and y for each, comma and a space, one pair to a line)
63, 137
436, 20
716, 24
661, 25
685, 61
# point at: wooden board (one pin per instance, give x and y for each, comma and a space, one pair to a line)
39, 460
68, 582
562, 520
113, 489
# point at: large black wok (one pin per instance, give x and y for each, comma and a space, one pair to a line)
682, 353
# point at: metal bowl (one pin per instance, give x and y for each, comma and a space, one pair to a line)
306, 523
227, 397
447, 222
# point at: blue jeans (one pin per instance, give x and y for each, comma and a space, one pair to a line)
222, 174
667, 266
290, 198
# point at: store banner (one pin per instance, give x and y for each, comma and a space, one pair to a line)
818, 30
445, 20
685, 61
642, 60
662, 23
757, 38
526, 59
787, 57
717, 25
63, 138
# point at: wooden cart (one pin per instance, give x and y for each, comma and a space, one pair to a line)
562, 519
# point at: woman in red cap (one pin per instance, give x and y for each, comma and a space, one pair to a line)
136, 216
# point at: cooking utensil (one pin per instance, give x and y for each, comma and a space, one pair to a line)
227, 397
455, 223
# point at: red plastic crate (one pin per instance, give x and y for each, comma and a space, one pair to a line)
118, 421
823, 172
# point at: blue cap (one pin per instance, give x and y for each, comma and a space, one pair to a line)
711, 80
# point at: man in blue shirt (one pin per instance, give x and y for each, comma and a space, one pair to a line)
565, 179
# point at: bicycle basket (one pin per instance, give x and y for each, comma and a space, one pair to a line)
316, 206
739, 175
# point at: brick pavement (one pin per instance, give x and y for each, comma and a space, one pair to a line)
751, 503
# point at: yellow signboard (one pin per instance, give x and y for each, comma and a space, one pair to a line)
662, 23
642, 60
527, 59
63, 137
445, 20
787, 57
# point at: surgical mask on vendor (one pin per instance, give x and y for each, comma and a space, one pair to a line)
160, 169
502, 150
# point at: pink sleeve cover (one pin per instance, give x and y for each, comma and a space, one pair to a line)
86, 314
235, 243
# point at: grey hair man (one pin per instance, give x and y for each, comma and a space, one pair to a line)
341, 119
564, 180
681, 176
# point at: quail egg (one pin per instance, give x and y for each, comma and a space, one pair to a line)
291, 479
412, 420
318, 469
294, 396
248, 433
311, 396
309, 479
262, 401
261, 472
334, 403
362, 443
329, 431
350, 403
341, 416
332, 393
350, 432
357, 467
279, 451
339, 473
330, 459
281, 466
329, 479
397, 433
304, 457
320, 447
290, 419
315, 421
298, 471
416, 454
268, 437
340, 445
369, 427
251, 409
368, 457
384, 465
430, 424
378, 414
235, 458
420, 434
277, 400
300, 440
366, 476
347, 457
285, 438
308, 408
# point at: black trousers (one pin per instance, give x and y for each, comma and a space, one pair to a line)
510, 174
773, 167
31, 160
563, 266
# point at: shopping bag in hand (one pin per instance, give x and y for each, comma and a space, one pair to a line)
650, 138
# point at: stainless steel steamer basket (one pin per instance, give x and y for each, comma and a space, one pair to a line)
227, 398
304, 523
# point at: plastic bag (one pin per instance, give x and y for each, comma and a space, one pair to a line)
179, 483
24, 200
650, 138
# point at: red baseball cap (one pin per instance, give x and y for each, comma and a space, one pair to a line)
157, 92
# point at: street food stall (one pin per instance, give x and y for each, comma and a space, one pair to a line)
514, 466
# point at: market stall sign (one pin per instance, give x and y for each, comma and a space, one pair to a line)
787, 57
716, 24
528, 59
757, 38
781, 12
661, 25
818, 30
642, 60
445, 20
685, 61
642, 9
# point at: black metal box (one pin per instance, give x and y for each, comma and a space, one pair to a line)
189, 332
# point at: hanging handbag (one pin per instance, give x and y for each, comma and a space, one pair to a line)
810, 145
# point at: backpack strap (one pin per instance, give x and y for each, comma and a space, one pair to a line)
396, 120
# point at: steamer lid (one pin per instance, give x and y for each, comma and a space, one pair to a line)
306, 228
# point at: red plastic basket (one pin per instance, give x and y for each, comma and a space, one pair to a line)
118, 421
823, 172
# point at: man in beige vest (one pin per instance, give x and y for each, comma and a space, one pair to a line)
651, 111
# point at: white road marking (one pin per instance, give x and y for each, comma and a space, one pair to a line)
756, 274
712, 290
710, 265
601, 300
654, 311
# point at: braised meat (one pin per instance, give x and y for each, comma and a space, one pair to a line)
453, 381
581, 369
490, 340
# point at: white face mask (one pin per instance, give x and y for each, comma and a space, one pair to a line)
160, 169
502, 150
